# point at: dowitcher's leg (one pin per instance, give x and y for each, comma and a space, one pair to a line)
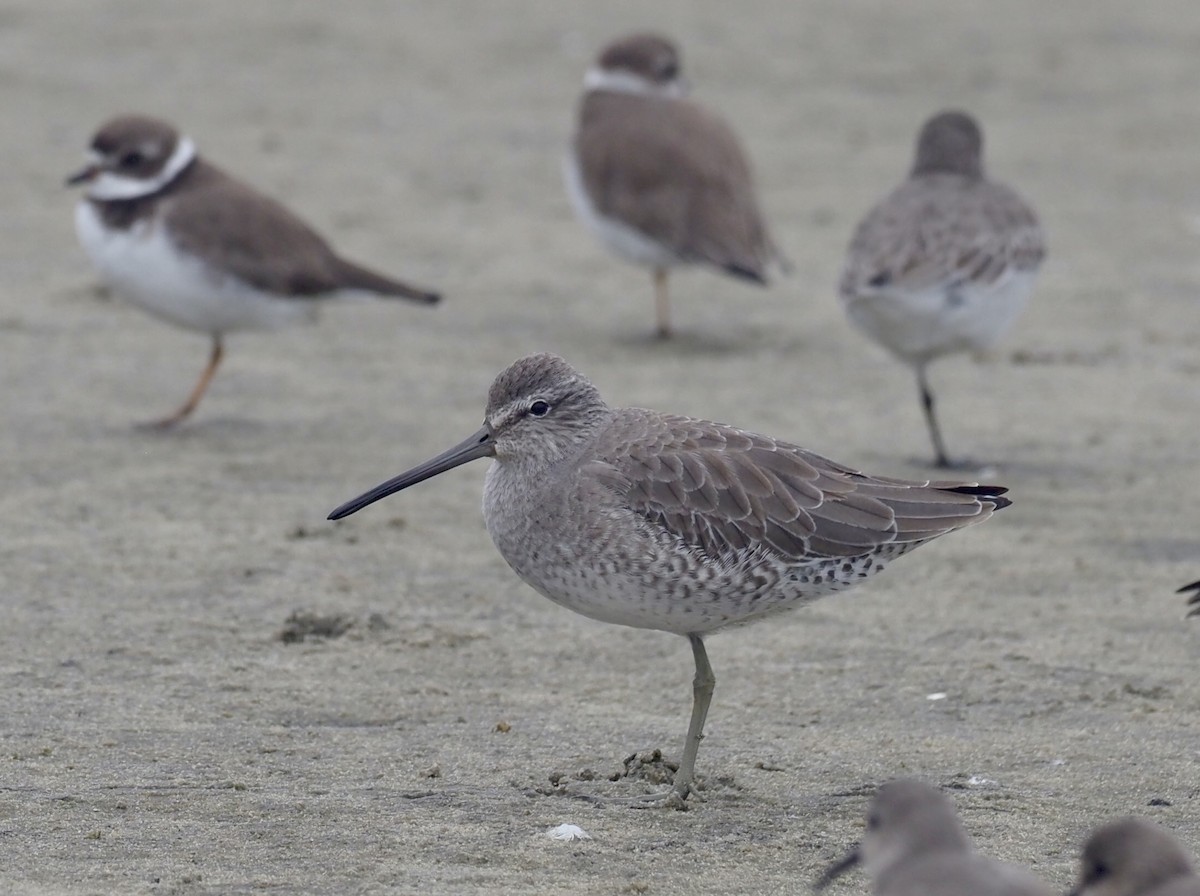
702, 691
685, 777
661, 307
935, 432
214, 359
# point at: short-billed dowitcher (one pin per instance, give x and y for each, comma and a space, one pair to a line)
915, 846
657, 521
657, 178
185, 241
946, 262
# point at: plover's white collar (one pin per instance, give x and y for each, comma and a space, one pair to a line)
109, 186
621, 81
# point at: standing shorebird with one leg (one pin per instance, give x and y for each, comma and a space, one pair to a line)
946, 262
659, 179
190, 244
656, 521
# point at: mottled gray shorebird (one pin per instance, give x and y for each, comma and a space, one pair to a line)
1193, 599
1135, 857
946, 262
915, 846
186, 242
659, 179
655, 521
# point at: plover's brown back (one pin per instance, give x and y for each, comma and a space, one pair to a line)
658, 179
674, 173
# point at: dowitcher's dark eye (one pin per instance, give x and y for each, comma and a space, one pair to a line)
1097, 871
873, 821
132, 159
669, 71
539, 408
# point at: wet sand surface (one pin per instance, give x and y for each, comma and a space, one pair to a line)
160, 736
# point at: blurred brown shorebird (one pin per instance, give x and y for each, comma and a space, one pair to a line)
659, 179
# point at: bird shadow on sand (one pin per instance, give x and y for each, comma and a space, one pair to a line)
1012, 471
686, 342
207, 429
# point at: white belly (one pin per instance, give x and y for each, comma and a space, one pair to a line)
622, 240
146, 267
921, 325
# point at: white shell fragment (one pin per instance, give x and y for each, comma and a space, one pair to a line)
568, 832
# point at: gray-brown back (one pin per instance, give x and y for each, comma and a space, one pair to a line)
676, 173
686, 525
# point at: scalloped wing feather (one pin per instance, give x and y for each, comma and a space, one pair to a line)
726, 491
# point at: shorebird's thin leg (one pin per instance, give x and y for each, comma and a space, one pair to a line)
214, 359
935, 431
685, 776
661, 307
702, 691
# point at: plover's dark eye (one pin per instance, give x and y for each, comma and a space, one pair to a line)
669, 72
539, 408
132, 159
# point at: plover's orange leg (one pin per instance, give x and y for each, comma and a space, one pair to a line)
214, 359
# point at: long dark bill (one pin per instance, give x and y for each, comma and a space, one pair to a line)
837, 869
477, 446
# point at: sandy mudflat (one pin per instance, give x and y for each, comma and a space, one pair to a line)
156, 736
